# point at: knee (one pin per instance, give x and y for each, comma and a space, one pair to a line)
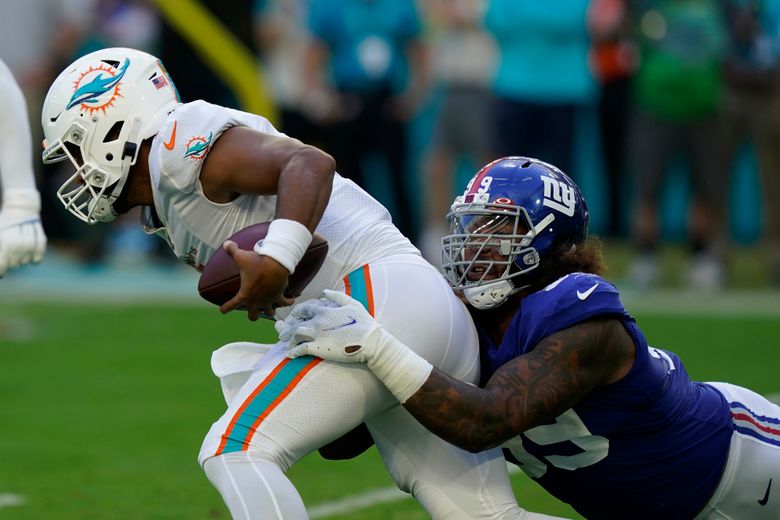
258, 453
218, 468
220, 444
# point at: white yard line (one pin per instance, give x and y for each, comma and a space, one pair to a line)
10, 500
355, 502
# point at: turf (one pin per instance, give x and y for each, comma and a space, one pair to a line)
104, 408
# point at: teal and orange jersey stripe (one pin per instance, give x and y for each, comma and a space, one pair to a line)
358, 285
285, 377
262, 401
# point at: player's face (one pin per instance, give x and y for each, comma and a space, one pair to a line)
490, 245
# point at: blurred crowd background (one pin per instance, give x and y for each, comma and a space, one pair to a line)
665, 112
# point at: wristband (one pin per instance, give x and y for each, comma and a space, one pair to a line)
402, 370
286, 242
28, 200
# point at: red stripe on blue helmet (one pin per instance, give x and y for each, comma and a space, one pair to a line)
476, 182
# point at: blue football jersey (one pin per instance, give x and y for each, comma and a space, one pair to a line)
652, 445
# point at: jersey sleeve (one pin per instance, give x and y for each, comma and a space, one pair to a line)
572, 299
187, 136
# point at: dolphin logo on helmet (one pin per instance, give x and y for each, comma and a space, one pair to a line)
99, 85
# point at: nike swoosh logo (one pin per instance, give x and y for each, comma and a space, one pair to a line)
341, 326
584, 295
764, 500
172, 141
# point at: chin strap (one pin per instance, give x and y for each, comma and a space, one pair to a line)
490, 295
100, 209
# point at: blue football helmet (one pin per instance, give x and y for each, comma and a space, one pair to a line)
515, 214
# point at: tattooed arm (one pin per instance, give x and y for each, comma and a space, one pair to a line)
529, 390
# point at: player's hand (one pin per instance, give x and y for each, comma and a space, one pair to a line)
300, 316
263, 281
335, 327
22, 240
338, 328
297, 317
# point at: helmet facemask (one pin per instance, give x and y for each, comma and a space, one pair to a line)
90, 192
489, 248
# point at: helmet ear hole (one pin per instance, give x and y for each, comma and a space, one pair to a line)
109, 157
114, 132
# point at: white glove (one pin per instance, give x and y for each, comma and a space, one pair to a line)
22, 239
338, 328
335, 327
298, 315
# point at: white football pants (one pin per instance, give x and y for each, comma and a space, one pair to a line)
285, 409
750, 486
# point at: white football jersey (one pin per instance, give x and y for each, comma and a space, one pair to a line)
358, 229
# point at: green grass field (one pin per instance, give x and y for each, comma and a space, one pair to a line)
104, 407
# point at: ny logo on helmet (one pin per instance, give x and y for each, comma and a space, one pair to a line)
559, 196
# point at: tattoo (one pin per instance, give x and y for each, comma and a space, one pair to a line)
528, 391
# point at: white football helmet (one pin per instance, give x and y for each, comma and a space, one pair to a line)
96, 113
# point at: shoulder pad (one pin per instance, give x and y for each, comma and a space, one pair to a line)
574, 298
187, 136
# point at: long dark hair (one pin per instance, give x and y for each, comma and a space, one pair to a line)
583, 257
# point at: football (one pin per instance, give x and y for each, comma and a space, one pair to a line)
220, 279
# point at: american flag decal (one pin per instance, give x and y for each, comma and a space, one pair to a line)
159, 82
